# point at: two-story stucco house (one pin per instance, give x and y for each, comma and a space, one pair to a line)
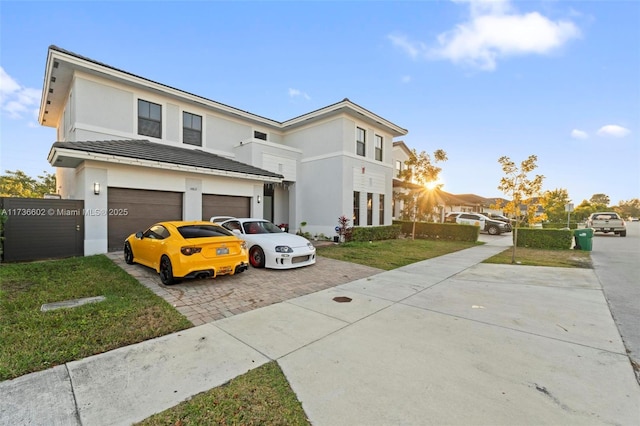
138, 151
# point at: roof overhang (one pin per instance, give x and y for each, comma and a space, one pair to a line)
72, 158
62, 65
349, 108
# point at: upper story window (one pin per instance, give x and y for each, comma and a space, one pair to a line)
398, 168
361, 137
191, 129
378, 147
149, 119
259, 135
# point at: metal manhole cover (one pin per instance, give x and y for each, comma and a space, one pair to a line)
342, 299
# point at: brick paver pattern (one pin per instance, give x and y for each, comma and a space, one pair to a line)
206, 300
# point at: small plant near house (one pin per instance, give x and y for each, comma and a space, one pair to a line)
301, 232
343, 229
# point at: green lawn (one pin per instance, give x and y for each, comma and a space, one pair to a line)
260, 397
539, 257
33, 340
391, 254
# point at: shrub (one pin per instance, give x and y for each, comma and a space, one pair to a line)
559, 225
375, 233
440, 231
545, 238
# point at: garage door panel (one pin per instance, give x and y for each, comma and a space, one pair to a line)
143, 207
225, 205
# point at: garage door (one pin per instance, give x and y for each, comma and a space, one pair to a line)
225, 205
143, 208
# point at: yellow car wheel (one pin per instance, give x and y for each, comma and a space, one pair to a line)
166, 272
128, 253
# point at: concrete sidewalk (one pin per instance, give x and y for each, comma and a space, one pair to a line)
444, 341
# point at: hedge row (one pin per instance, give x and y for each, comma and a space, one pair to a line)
545, 238
559, 225
439, 231
375, 233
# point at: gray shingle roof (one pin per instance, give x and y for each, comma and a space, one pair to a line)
145, 150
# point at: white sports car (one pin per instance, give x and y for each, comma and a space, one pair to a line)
269, 246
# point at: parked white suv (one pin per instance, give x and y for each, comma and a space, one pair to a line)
493, 227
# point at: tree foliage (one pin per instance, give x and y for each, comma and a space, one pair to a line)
420, 173
522, 190
19, 184
630, 208
554, 203
583, 210
600, 199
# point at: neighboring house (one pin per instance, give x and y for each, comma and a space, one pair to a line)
401, 154
138, 151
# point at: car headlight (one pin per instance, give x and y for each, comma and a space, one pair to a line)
284, 249
310, 246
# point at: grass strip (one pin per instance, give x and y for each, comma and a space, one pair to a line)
260, 397
391, 254
540, 257
32, 340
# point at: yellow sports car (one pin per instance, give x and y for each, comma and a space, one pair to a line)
179, 249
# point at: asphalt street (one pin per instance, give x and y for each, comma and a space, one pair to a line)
616, 263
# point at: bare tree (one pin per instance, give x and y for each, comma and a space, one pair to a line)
517, 184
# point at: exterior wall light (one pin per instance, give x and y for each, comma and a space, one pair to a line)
96, 188
259, 199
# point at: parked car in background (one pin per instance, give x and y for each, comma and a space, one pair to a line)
607, 222
179, 250
493, 227
500, 217
269, 246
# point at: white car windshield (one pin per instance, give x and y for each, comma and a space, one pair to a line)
260, 227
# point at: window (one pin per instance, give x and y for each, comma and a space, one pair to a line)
381, 208
398, 168
356, 208
361, 136
259, 135
191, 129
369, 208
156, 232
203, 231
378, 147
149, 119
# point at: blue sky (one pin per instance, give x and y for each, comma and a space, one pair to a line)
479, 79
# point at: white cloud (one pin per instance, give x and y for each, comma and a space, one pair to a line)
406, 79
579, 134
15, 99
494, 31
411, 48
613, 130
293, 93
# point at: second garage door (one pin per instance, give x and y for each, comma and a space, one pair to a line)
133, 210
225, 205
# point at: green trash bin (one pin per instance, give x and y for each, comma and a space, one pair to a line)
584, 239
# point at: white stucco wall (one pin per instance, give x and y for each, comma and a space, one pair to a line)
95, 208
113, 114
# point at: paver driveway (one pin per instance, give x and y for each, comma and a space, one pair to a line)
206, 300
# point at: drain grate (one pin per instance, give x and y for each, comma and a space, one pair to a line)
342, 299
